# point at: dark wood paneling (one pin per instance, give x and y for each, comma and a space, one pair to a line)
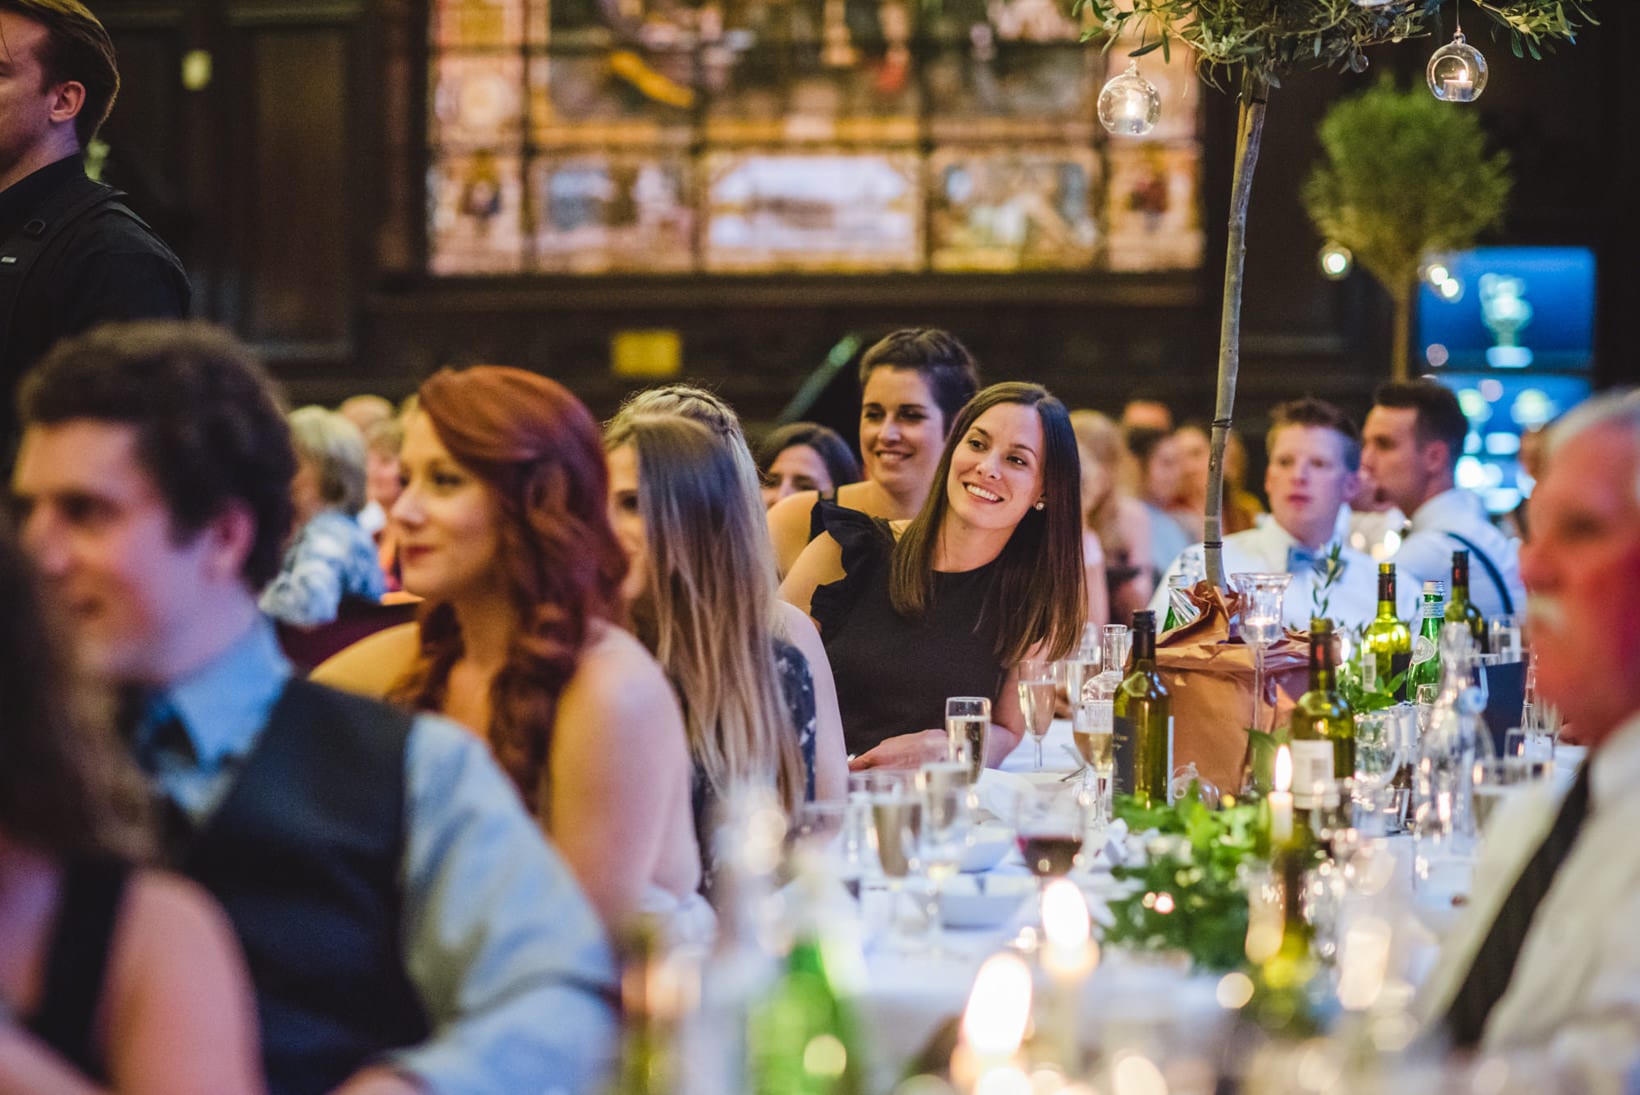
298, 278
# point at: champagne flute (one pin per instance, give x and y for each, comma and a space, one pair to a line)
942, 796
896, 815
1262, 596
967, 728
1036, 699
1093, 729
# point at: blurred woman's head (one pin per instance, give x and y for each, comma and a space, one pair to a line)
912, 383
803, 456
1010, 462
330, 463
1099, 442
700, 592
1155, 453
65, 788
505, 505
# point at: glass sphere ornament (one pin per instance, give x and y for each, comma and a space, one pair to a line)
1129, 105
1335, 260
1457, 72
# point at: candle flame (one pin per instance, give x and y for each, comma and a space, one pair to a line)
999, 1007
1284, 769
1065, 918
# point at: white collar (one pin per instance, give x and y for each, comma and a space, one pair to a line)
1455, 503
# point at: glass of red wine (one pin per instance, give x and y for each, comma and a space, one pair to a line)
1050, 825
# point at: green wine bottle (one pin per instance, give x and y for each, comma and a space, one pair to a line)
1321, 732
1426, 662
805, 1039
1459, 608
1388, 636
1143, 717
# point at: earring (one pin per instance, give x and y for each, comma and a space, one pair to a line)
1040, 505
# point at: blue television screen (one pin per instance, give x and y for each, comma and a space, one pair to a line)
1502, 309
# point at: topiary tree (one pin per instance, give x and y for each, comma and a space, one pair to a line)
1252, 44
1404, 175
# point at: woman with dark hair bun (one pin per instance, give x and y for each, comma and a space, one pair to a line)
912, 384
987, 574
112, 978
802, 456
503, 530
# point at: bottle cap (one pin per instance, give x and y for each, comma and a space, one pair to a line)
1435, 587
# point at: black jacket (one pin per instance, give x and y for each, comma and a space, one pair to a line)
106, 264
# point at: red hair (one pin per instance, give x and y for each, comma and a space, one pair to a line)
540, 451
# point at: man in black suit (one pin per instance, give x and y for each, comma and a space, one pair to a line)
72, 254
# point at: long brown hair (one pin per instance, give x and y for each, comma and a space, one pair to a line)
537, 448
1037, 595
708, 609
65, 787
1101, 438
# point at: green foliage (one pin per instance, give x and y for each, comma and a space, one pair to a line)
1195, 858
1274, 37
1362, 699
1328, 569
1404, 175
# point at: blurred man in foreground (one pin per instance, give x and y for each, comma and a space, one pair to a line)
1548, 962
408, 931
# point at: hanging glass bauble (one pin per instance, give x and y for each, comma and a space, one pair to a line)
1129, 104
1373, 3
1457, 72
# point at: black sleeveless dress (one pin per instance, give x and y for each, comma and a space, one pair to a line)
893, 673
76, 969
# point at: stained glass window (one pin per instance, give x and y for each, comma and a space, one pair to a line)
659, 136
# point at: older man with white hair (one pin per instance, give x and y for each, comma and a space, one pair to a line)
1547, 967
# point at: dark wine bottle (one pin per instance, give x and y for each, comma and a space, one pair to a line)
1459, 608
1321, 731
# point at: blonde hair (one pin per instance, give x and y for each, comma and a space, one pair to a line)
708, 608
1101, 441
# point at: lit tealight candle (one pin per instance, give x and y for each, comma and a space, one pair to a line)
1460, 84
1068, 927
994, 1022
1281, 799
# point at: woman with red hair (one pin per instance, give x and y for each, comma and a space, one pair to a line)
503, 530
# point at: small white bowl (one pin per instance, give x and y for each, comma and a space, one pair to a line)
987, 845
961, 907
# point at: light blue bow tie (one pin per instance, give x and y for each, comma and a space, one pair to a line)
1301, 560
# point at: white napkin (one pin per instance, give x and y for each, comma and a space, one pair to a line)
999, 793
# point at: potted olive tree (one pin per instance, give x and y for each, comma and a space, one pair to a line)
1404, 176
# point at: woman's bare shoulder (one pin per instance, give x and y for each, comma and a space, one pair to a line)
620, 688
371, 666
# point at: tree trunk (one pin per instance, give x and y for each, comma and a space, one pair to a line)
1402, 296
1249, 130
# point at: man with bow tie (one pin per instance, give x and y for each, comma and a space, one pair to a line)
1315, 458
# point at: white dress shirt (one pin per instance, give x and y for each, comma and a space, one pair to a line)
1352, 600
1573, 1003
1426, 553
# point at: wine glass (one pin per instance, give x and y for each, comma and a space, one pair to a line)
942, 837
1093, 729
1036, 699
1262, 597
896, 816
1050, 825
967, 728
1381, 748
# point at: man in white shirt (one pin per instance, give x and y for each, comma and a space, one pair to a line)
1547, 966
1412, 441
1315, 455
